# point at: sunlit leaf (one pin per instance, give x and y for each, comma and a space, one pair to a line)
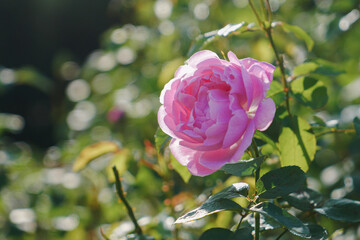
161, 139
310, 92
93, 151
319, 121
218, 202
280, 182
262, 136
266, 223
276, 93
299, 33
120, 160
341, 209
317, 232
284, 218
209, 208
297, 143
243, 168
304, 200
305, 68
357, 125
180, 169
204, 39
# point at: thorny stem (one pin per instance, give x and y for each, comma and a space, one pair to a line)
257, 176
256, 13
121, 195
268, 8
279, 59
280, 62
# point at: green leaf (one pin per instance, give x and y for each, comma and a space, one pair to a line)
92, 152
243, 167
310, 92
202, 40
280, 182
180, 169
319, 121
357, 125
297, 143
239, 189
319, 67
161, 139
218, 202
209, 208
317, 232
276, 93
305, 200
284, 218
226, 234
262, 136
305, 69
242, 234
266, 223
341, 209
299, 33
216, 234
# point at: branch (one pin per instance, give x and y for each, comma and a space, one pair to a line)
121, 195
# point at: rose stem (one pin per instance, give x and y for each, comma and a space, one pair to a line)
121, 195
257, 176
279, 58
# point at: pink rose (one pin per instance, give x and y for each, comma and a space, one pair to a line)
212, 107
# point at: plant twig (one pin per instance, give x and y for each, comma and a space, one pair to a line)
280, 62
257, 176
334, 130
121, 195
256, 13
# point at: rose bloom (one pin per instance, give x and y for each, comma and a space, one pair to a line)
212, 107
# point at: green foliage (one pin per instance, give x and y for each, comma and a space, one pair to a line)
317, 232
281, 182
297, 143
202, 40
218, 202
341, 209
299, 33
222, 233
357, 125
243, 168
161, 140
216, 233
284, 218
180, 169
305, 200
310, 92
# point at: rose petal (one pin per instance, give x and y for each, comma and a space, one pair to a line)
197, 169
236, 128
265, 114
267, 67
214, 160
244, 142
204, 58
182, 154
168, 125
169, 90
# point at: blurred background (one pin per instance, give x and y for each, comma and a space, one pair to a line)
73, 73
